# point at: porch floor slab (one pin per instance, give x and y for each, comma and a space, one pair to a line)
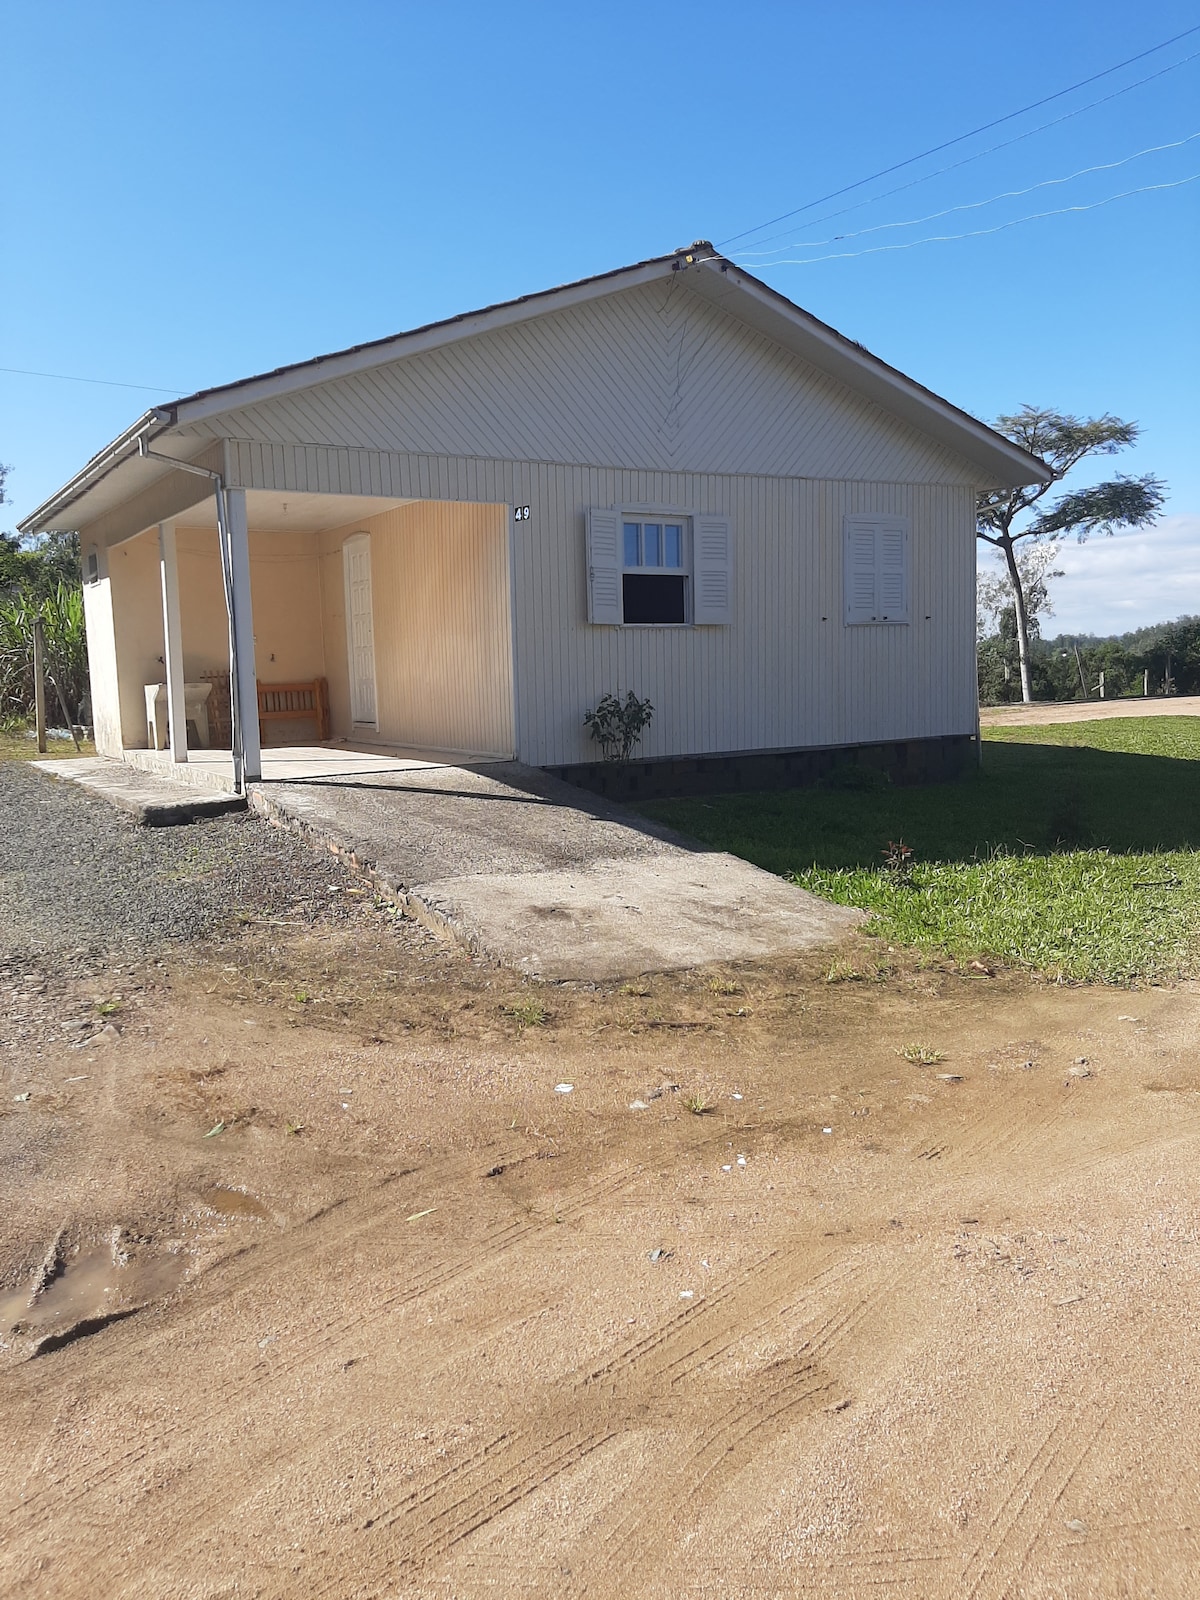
152, 800
534, 873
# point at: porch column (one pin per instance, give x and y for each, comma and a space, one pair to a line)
242, 625
172, 641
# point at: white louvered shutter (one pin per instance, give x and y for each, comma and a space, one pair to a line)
876, 569
712, 570
891, 570
604, 566
860, 569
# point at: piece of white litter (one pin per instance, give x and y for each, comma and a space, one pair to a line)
81, 1078
1127, 1019
741, 1161
638, 1105
735, 1097
563, 1088
826, 1130
345, 1105
729, 1168
687, 1294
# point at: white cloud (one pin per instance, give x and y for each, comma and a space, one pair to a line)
1128, 581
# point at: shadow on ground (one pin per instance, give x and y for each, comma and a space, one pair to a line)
1025, 798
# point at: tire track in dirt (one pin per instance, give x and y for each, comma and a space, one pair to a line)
645, 1379
771, 1400
28, 1519
1028, 1503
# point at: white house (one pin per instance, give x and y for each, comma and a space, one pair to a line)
667, 478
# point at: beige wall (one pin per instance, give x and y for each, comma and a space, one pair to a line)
443, 654
102, 656
135, 586
285, 586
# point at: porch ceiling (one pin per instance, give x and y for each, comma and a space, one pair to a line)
299, 513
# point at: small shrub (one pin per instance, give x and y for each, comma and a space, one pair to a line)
617, 725
898, 861
698, 1105
921, 1055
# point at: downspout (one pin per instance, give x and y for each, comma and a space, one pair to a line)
226, 551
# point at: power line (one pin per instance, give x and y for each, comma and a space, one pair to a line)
959, 138
978, 233
991, 150
976, 205
108, 383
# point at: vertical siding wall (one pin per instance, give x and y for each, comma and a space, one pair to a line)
786, 673
442, 624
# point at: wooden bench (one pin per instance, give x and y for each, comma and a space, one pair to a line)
296, 702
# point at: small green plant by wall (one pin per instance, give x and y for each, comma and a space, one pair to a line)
617, 725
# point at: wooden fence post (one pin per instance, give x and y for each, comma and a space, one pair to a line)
39, 684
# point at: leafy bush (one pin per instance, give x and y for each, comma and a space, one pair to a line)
617, 725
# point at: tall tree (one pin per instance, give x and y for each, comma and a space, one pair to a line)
1007, 516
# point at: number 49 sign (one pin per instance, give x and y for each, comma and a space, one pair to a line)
521, 513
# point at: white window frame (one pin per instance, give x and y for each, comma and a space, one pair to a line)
890, 535
707, 566
652, 514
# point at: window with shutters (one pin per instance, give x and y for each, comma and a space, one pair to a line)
876, 581
658, 568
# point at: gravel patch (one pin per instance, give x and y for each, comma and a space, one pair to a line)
80, 880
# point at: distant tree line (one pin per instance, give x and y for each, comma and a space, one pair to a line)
1068, 666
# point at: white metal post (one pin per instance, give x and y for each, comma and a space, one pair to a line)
243, 632
172, 641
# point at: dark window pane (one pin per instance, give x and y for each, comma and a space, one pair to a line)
672, 545
652, 544
632, 558
654, 598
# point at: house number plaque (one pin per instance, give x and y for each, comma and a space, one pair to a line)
521, 513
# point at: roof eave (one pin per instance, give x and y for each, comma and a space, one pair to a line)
43, 519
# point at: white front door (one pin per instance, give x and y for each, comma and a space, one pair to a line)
360, 630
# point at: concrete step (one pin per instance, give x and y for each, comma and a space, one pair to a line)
151, 801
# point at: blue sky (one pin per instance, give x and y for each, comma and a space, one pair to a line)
195, 193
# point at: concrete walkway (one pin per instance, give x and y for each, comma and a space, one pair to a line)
152, 800
541, 876
521, 868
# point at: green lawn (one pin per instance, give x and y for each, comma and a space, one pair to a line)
1074, 851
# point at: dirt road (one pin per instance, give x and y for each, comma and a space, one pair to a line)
1087, 711
416, 1323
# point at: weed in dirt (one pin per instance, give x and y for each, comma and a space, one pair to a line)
724, 986
527, 1013
109, 1008
921, 1055
698, 1105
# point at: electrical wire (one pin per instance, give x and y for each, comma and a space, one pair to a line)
974, 205
978, 233
109, 383
1004, 144
960, 138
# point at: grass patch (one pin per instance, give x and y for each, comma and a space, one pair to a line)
1073, 851
527, 1014
20, 744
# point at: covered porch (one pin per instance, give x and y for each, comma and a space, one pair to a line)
374, 622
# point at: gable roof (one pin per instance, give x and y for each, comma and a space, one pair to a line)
709, 274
